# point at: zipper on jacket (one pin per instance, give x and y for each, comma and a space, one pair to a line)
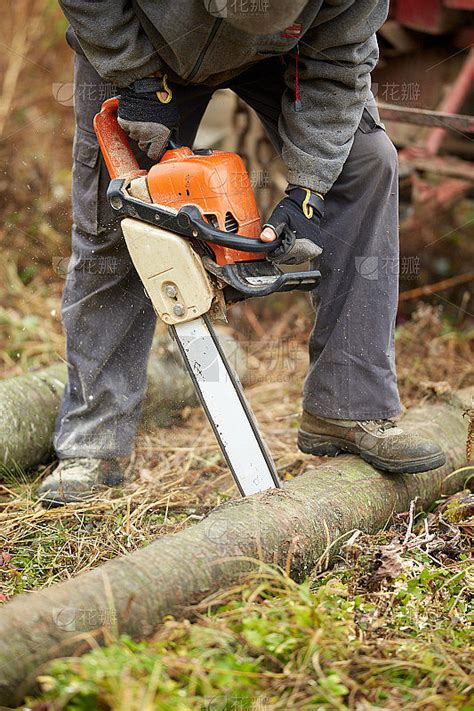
203, 52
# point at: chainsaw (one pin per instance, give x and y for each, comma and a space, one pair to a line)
192, 229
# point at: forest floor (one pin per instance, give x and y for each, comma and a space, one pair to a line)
388, 627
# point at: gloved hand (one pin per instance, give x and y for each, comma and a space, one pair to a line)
148, 113
298, 217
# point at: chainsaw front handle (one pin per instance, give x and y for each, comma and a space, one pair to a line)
243, 280
187, 222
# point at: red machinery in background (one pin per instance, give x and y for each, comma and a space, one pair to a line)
428, 44
433, 16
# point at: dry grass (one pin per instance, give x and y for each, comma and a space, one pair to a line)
433, 358
179, 474
35, 147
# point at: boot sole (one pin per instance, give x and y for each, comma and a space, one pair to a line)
325, 445
54, 499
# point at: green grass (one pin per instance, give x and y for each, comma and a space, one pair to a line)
273, 643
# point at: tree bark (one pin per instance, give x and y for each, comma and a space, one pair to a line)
29, 403
28, 408
295, 527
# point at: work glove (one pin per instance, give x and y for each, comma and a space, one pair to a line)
297, 219
147, 112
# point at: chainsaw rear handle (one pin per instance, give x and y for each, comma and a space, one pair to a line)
187, 222
113, 141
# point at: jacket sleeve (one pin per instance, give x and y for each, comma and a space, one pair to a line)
336, 57
112, 39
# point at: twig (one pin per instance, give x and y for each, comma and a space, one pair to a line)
437, 286
470, 433
251, 317
410, 520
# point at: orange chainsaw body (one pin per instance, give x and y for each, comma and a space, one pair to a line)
218, 184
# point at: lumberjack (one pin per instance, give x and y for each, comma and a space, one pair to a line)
305, 68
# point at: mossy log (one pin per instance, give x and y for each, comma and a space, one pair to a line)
29, 403
295, 527
28, 409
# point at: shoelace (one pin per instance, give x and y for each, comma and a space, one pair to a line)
382, 425
68, 463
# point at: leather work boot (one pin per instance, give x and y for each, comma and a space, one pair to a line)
380, 442
79, 479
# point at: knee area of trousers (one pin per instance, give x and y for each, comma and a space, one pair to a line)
383, 157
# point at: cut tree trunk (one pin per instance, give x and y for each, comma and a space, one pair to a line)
295, 527
29, 403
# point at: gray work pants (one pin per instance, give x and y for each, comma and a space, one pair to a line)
109, 321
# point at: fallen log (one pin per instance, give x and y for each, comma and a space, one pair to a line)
28, 408
29, 403
295, 527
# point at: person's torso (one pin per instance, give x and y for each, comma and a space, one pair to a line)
199, 48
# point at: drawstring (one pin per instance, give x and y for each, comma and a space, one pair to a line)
298, 106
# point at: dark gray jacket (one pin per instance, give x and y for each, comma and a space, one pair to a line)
129, 39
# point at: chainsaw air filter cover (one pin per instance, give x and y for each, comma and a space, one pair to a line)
217, 183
